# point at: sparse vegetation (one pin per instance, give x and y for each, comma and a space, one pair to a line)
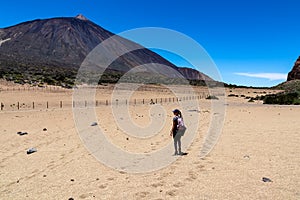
284, 98
290, 86
231, 95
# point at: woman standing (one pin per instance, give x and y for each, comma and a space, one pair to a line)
177, 119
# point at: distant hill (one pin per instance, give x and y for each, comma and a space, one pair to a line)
51, 51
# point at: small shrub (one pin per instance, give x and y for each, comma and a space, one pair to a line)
283, 98
231, 95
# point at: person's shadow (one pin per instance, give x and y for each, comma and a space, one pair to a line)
184, 154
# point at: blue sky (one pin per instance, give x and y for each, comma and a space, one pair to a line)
252, 42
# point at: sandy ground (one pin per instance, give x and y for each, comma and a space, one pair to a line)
257, 141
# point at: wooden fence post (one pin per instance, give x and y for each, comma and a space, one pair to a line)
18, 105
47, 105
61, 104
32, 105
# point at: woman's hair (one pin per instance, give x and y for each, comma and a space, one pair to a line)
179, 112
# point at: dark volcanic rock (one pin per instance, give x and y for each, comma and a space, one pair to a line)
295, 73
53, 49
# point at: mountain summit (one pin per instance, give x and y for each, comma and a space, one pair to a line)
80, 16
52, 50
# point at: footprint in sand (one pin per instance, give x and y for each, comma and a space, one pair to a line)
201, 167
142, 194
197, 162
178, 184
102, 186
159, 184
84, 196
172, 193
192, 176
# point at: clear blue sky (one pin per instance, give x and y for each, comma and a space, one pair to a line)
253, 42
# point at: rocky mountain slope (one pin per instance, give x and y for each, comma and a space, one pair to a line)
51, 51
295, 73
293, 80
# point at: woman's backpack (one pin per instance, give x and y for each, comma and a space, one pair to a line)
181, 127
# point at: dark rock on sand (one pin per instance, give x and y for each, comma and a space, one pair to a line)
31, 150
265, 179
22, 133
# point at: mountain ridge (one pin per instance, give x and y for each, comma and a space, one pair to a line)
56, 47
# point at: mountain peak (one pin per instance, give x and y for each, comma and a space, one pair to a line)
82, 17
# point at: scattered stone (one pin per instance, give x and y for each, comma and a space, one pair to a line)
44, 129
72, 180
22, 133
94, 124
71, 198
198, 111
247, 156
265, 179
31, 150
127, 138
44, 175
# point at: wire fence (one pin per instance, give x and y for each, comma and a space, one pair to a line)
164, 95
53, 89
39, 105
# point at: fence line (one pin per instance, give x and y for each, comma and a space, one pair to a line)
179, 89
96, 103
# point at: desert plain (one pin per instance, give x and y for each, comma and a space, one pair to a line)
257, 141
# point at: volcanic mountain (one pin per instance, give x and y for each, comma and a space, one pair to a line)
52, 50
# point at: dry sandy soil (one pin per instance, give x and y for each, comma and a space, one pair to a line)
256, 141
